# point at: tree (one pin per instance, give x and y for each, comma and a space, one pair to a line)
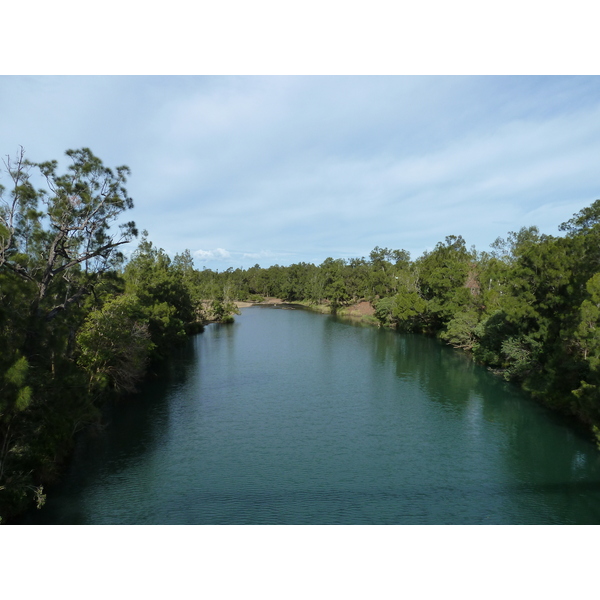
56, 247
462, 330
61, 249
510, 248
162, 293
586, 219
114, 344
334, 284
383, 273
442, 279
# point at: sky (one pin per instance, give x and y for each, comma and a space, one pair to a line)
243, 170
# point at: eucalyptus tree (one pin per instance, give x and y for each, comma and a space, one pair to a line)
164, 292
384, 267
442, 280
56, 243
334, 285
58, 237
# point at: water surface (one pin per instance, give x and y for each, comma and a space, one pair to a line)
290, 417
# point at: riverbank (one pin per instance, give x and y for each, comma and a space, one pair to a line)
267, 300
361, 311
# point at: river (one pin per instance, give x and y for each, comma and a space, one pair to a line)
292, 417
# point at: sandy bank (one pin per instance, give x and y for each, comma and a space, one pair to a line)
362, 311
268, 300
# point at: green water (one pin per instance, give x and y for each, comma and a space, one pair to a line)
290, 417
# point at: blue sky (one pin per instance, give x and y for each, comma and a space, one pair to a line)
285, 169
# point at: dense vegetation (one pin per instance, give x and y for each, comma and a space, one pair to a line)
77, 324
80, 324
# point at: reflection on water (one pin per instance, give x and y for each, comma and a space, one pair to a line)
293, 417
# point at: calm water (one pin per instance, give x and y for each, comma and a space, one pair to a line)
289, 417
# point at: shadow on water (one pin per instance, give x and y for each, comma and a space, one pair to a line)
546, 453
132, 426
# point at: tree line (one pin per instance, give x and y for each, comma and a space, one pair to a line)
80, 324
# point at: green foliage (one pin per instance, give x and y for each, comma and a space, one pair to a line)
520, 355
587, 333
114, 344
18, 372
255, 298
596, 431
223, 312
508, 250
333, 284
23, 400
463, 331
384, 311
585, 220
165, 292
405, 310
442, 277
408, 306
58, 262
63, 248
491, 332
15, 392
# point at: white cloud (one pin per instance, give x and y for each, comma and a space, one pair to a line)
237, 259
216, 254
261, 254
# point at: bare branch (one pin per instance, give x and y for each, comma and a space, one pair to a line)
89, 256
82, 291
